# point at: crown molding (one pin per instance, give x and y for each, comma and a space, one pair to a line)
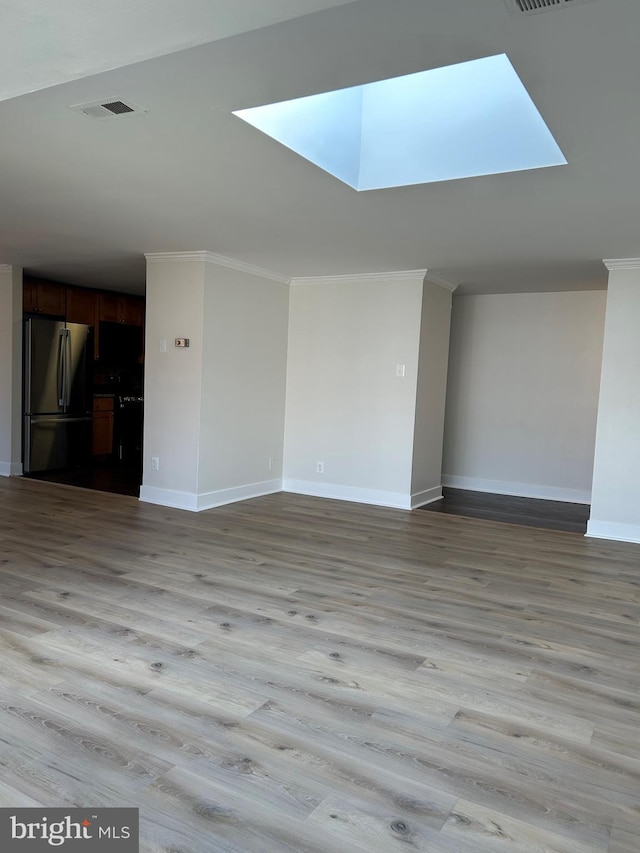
442, 282
218, 260
352, 278
241, 266
622, 263
175, 257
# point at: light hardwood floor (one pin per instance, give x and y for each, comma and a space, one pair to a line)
294, 674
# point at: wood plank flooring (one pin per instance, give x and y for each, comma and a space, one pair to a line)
294, 674
532, 512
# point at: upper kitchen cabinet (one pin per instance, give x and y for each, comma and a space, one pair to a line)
121, 308
133, 310
43, 297
82, 305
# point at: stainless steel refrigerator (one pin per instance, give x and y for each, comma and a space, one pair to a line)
57, 395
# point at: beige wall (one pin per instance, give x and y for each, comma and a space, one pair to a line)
173, 380
214, 412
431, 392
523, 393
10, 370
243, 383
345, 405
615, 508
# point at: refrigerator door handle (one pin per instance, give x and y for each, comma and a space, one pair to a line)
67, 369
61, 368
27, 362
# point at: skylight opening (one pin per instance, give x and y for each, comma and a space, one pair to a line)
466, 120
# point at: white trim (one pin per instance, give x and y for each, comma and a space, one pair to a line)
209, 500
175, 257
428, 496
441, 282
522, 490
622, 263
219, 260
10, 469
353, 278
6, 267
337, 492
613, 530
205, 256
169, 497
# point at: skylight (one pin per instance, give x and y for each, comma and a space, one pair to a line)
474, 118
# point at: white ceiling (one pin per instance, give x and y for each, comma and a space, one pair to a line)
46, 42
83, 199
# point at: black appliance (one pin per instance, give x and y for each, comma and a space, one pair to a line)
57, 395
128, 429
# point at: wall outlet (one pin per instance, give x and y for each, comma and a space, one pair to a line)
271, 463
400, 370
319, 467
155, 463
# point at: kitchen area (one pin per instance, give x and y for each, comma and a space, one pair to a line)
83, 386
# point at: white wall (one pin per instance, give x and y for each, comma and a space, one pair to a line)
433, 360
615, 508
243, 385
345, 405
173, 380
214, 412
522, 394
10, 370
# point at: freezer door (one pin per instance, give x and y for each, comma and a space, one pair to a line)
44, 366
57, 441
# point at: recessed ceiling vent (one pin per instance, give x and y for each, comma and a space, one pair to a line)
533, 7
111, 108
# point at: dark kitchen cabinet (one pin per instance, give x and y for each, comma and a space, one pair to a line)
43, 297
82, 305
120, 308
133, 310
102, 426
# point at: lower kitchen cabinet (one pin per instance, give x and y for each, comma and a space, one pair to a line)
102, 426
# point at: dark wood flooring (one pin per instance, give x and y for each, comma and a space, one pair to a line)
532, 512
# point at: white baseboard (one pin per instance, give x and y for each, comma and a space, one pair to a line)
336, 492
613, 530
10, 469
522, 490
207, 500
429, 496
169, 497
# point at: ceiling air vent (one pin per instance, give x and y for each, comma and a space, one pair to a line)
533, 7
118, 107
110, 108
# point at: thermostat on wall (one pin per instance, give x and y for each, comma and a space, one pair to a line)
182, 342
